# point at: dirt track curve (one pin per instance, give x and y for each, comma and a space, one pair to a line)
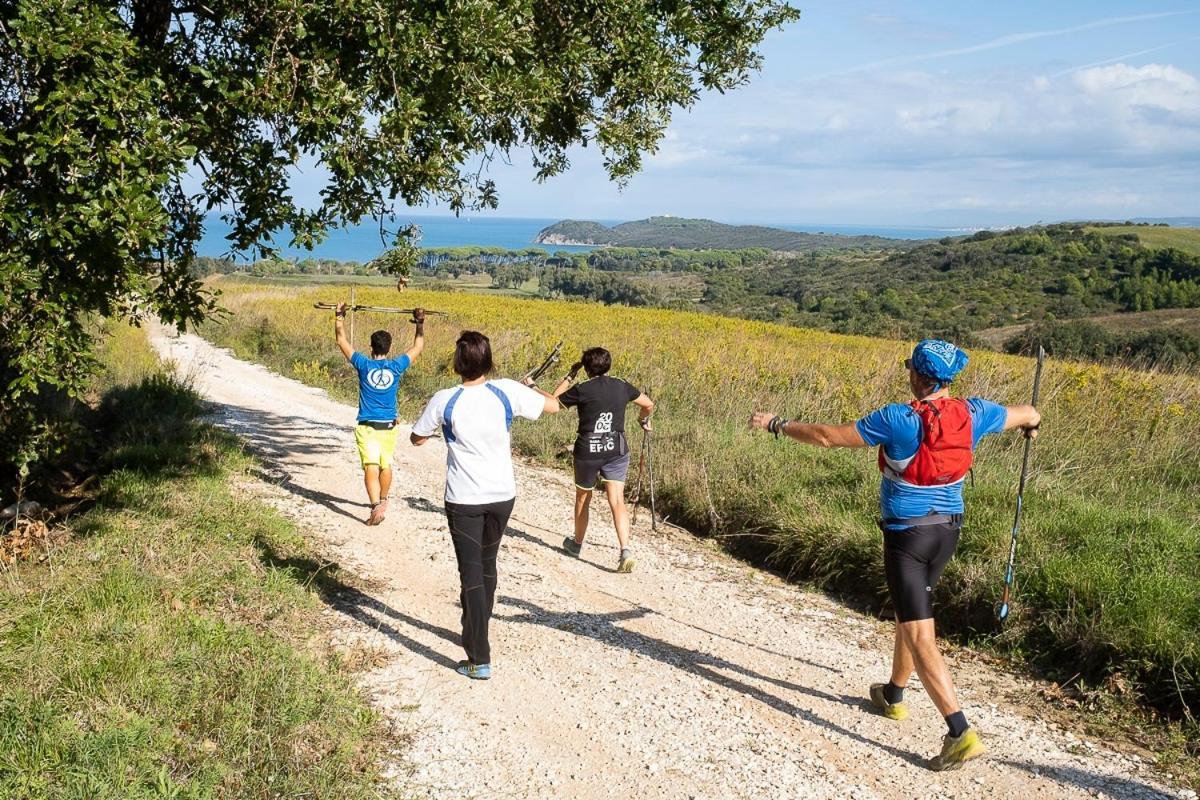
694, 677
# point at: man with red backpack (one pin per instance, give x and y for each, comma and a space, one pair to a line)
925, 452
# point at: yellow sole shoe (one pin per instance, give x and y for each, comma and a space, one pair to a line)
896, 711
957, 751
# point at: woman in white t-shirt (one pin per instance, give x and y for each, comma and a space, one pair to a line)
475, 419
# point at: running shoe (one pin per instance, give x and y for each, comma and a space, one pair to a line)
626, 562
573, 548
896, 711
476, 672
958, 750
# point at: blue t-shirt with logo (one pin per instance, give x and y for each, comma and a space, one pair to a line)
378, 381
898, 429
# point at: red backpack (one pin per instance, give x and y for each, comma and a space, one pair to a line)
944, 454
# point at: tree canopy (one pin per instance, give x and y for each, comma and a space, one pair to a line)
126, 122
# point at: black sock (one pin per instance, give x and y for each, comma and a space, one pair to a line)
957, 722
893, 693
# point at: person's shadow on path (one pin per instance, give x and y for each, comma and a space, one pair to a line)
603, 628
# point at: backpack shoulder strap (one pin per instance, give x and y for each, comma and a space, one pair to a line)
508, 412
447, 425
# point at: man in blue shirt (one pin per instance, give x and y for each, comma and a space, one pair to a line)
925, 452
378, 382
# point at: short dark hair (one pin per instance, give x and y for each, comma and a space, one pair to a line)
472, 355
596, 361
381, 343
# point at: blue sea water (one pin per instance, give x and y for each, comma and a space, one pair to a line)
363, 243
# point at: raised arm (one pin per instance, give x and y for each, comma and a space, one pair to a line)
1025, 417
552, 405
646, 408
808, 432
418, 345
339, 331
567, 379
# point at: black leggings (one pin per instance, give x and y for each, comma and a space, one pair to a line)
913, 560
476, 532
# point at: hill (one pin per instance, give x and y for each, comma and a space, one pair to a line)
705, 234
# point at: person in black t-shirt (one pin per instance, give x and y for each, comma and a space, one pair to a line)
601, 451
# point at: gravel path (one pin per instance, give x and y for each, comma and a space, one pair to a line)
694, 677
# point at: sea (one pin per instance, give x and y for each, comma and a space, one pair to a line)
363, 242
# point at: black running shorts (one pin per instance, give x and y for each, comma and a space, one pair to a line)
589, 474
913, 560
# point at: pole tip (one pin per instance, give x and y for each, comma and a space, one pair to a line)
1002, 612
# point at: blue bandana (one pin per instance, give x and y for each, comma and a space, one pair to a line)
939, 360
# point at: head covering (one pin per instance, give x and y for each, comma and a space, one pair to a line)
938, 359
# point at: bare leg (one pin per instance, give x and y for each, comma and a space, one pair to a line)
902, 661
371, 479
385, 483
616, 501
920, 642
583, 504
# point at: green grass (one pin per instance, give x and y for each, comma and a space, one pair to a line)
1157, 236
166, 650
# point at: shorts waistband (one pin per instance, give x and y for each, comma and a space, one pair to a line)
377, 424
913, 522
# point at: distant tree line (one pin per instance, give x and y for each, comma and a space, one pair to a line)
1087, 341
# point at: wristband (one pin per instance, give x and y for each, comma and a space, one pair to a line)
776, 424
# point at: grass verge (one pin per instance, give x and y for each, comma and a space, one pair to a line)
161, 652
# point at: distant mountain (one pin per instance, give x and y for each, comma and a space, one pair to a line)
705, 234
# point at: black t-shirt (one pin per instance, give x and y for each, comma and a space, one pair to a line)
601, 403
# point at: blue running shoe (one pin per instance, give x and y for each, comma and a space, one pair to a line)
476, 672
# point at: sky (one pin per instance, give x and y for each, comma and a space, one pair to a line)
923, 113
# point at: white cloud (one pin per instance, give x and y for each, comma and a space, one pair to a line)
1154, 85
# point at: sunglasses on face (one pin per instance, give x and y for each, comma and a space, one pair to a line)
907, 362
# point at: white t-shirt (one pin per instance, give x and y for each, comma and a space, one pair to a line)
479, 466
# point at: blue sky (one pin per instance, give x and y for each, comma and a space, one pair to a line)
936, 113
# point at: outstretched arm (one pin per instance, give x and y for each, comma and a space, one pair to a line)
418, 344
339, 331
808, 432
552, 405
1025, 417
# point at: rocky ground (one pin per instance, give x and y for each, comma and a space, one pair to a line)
693, 677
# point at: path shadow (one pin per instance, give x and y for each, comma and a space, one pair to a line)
733, 639
1118, 788
277, 476
603, 628
357, 604
424, 504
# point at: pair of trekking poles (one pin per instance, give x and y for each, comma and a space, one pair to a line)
645, 460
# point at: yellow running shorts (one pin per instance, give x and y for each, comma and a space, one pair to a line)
375, 446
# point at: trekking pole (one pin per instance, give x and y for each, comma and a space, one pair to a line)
378, 309
549, 362
650, 469
1003, 609
637, 490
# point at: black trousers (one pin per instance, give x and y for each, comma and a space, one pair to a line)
476, 531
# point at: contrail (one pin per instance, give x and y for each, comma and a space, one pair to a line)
1115, 59
1009, 40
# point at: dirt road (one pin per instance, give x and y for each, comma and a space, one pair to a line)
694, 677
